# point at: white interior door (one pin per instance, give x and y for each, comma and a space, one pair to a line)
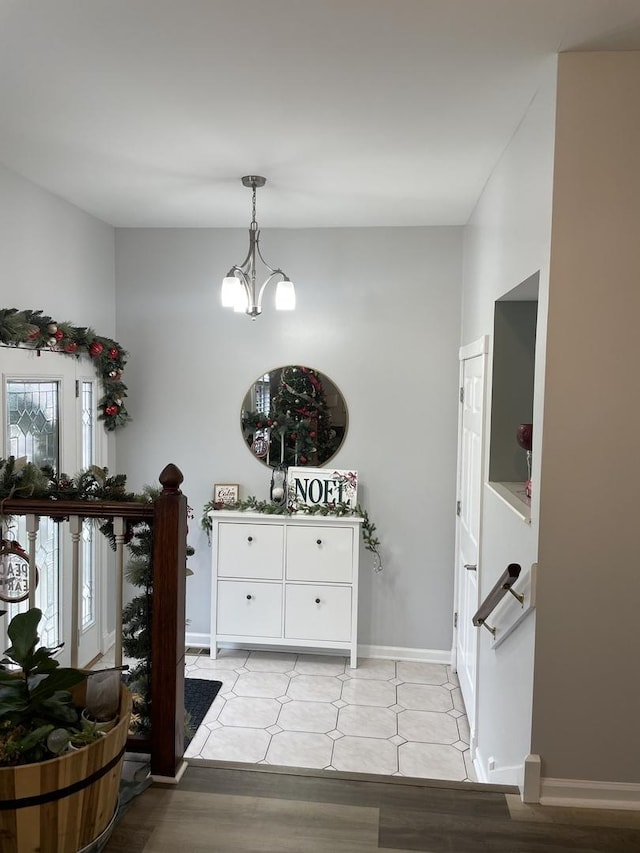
45, 417
472, 371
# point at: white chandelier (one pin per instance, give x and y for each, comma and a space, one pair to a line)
239, 285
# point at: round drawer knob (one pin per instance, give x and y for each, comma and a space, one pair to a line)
317, 601
249, 597
249, 538
318, 541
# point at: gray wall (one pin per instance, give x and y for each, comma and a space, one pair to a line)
506, 242
379, 313
54, 256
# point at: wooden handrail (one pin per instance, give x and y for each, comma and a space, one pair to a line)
501, 588
131, 510
167, 516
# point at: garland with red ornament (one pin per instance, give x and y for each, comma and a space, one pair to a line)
36, 330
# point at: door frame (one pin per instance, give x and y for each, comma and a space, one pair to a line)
479, 347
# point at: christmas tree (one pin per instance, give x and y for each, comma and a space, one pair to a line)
300, 401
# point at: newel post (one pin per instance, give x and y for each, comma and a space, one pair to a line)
168, 625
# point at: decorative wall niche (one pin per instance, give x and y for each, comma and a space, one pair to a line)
514, 347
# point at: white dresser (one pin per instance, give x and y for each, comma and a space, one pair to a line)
286, 581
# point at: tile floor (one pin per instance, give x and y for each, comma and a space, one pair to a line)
391, 717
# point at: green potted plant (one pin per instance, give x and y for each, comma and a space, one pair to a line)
40, 705
35, 702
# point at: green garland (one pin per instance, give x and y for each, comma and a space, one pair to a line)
35, 330
368, 529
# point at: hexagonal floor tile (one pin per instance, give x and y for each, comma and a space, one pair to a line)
431, 761
368, 692
365, 755
424, 697
427, 727
308, 717
320, 665
236, 744
270, 661
422, 673
250, 712
315, 688
365, 721
262, 684
380, 670
300, 749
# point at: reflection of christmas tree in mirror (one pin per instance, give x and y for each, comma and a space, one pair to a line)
298, 412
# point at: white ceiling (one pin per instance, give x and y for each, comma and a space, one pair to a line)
358, 112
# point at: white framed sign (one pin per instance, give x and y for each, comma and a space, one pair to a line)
321, 486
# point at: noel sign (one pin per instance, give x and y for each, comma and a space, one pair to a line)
321, 486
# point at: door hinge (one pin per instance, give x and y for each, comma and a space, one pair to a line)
458, 508
455, 620
77, 388
462, 395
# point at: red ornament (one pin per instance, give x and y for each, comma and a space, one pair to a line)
114, 352
303, 459
33, 335
259, 424
312, 434
111, 410
524, 436
71, 347
59, 335
95, 349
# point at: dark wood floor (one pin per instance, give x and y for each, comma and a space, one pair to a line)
216, 808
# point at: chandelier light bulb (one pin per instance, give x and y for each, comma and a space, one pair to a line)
285, 296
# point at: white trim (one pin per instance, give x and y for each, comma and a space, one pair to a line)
443, 656
170, 780
586, 794
531, 781
401, 653
488, 773
479, 347
198, 641
108, 641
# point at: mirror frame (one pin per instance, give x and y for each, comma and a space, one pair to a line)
296, 434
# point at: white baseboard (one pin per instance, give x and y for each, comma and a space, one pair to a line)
198, 641
585, 794
203, 641
403, 653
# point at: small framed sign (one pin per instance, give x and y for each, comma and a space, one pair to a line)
325, 486
225, 493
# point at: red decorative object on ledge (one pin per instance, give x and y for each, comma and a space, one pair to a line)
524, 437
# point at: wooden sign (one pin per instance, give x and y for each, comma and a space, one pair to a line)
321, 486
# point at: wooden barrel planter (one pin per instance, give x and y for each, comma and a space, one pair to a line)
64, 804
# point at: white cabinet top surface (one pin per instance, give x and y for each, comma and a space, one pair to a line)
276, 518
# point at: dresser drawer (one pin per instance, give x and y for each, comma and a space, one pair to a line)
250, 550
317, 612
247, 608
316, 553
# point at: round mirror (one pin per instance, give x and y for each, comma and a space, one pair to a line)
294, 415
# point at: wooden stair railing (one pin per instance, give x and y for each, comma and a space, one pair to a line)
167, 516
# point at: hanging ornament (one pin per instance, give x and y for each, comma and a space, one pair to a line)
71, 347
114, 352
95, 349
14, 572
52, 342
52, 328
260, 446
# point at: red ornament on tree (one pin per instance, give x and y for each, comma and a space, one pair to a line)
95, 349
111, 410
33, 335
59, 335
71, 347
114, 352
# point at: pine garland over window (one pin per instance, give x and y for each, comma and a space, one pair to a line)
37, 331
